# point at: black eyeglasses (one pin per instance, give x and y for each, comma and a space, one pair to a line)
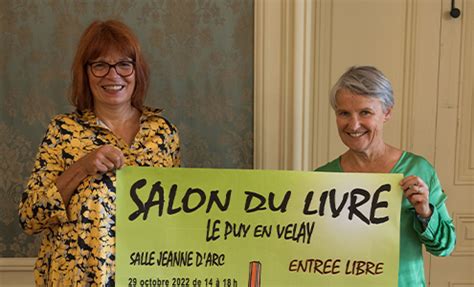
101, 69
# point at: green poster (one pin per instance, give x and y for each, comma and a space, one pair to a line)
234, 228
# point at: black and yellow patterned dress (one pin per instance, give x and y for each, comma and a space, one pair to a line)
78, 246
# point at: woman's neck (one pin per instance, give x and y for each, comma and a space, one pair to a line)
115, 117
381, 159
123, 122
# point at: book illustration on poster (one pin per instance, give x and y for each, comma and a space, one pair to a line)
254, 273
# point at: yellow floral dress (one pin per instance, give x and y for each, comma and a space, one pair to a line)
78, 246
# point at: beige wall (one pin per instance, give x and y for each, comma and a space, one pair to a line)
313, 42
200, 55
427, 55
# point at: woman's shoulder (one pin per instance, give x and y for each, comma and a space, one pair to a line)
65, 118
151, 111
414, 164
415, 159
155, 118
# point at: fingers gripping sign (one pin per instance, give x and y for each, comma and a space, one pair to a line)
417, 193
102, 160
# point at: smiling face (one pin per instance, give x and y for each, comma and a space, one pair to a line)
360, 121
112, 90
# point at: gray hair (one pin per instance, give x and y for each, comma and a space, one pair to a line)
365, 81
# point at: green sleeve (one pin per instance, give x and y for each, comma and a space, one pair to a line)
439, 237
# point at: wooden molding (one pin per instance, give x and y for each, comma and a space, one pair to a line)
464, 223
283, 83
464, 171
267, 93
19, 264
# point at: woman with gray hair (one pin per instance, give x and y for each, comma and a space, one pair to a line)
363, 101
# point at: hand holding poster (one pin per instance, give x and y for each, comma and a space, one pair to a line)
230, 228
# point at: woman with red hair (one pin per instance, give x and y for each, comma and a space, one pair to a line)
70, 196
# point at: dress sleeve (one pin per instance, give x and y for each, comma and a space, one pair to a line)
439, 236
41, 205
174, 145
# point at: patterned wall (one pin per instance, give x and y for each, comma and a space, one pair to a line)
201, 58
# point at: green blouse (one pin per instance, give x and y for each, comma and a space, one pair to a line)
439, 237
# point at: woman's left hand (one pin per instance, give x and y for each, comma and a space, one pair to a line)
417, 193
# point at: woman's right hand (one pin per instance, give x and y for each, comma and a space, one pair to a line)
99, 161
102, 160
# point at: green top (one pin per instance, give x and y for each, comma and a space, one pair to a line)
439, 237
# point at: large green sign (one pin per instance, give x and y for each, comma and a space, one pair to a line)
234, 228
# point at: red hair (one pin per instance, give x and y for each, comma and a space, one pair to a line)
97, 40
